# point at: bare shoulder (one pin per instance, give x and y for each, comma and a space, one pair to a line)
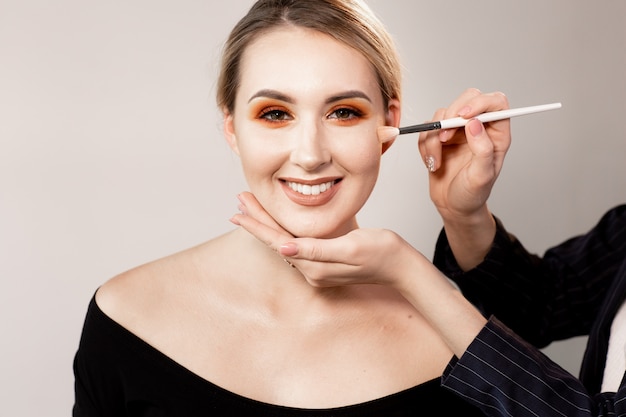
130, 296
142, 295
129, 292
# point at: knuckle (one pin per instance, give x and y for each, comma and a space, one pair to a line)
316, 253
503, 98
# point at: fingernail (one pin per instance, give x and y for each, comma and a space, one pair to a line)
430, 163
475, 127
289, 249
444, 135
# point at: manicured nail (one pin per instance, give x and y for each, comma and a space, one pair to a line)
475, 127
430, 163
289, 249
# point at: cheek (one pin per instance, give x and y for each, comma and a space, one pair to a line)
257, 155
259, 163
362, 156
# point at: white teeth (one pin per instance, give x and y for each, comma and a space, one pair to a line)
310, 189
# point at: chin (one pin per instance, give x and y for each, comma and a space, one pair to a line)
319, 231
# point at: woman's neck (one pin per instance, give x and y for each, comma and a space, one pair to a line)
267, 273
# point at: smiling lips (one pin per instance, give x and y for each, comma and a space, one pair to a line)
311, 194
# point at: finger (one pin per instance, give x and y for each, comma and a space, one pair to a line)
500, 130
252, 207
318, 250
460, 103
324, 262
430, 148
363, 255
481, 170
354, 248
473, 106
267, 234
459, 107
482, 103
429, 145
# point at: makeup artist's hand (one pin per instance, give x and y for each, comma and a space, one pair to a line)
466, 161
465, 165
371, 256
363, 256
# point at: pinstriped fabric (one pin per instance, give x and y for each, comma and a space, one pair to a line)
505, 376
575, 289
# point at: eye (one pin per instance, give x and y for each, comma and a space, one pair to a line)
275, 115
345, 114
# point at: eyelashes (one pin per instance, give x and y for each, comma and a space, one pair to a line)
346, 114
341, 114
275, 115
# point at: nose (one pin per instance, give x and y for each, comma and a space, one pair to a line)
310, 149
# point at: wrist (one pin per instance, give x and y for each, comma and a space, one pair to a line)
470, 237
412, 270
467, 221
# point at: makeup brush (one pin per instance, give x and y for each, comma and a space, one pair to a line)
387, 133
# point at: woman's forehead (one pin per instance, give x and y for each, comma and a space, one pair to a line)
304, 61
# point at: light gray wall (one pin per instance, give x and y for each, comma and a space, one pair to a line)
111, 153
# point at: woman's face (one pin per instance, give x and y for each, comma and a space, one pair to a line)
305, 120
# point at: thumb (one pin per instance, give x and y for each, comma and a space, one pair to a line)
317, 250
289, 249
479, 142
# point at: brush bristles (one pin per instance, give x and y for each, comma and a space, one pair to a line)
387, 133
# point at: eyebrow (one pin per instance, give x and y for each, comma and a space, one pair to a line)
283, 97
271, 94
348, 95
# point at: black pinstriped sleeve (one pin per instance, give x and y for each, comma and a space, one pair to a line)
543, 299
505, 376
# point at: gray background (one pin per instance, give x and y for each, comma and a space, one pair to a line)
111, 153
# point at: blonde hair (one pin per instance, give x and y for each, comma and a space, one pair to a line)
348, 21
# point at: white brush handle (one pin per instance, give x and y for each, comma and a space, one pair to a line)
499, 115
